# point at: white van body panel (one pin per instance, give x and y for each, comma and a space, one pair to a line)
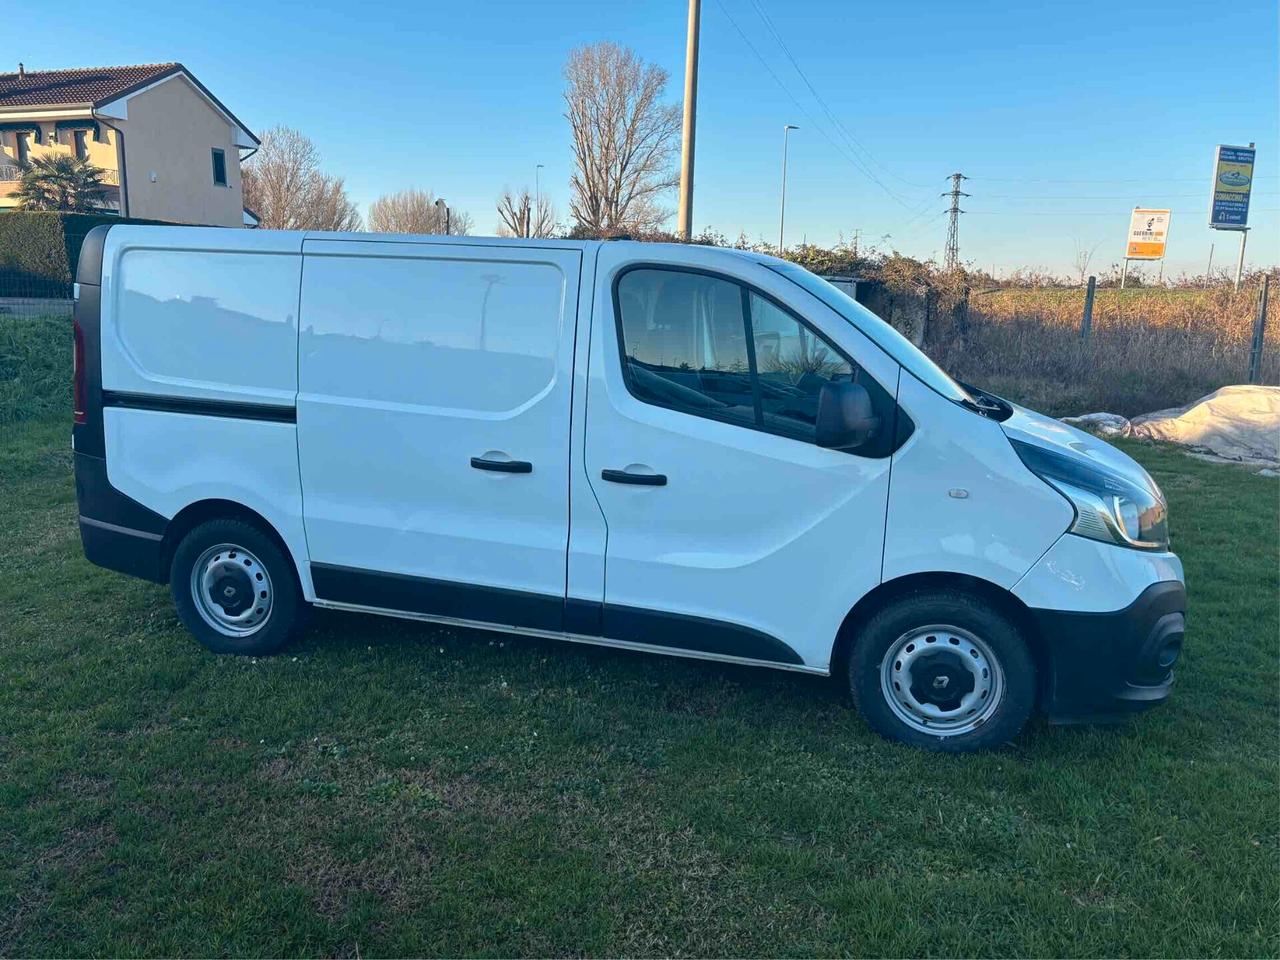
415, 358
201, 312
1091, 577
204, 315
765, 532
168, 461
961, 501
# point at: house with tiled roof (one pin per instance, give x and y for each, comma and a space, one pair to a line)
170, 149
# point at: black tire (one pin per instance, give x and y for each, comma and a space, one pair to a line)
918, 616
267, 567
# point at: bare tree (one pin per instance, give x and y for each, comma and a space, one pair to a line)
1083, 257
416, 211
521, 219
624, 139
284, 186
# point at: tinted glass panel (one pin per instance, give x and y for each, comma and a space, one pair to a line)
685, 343
685, 347
219, 168
794, 364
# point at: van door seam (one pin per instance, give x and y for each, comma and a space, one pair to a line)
297, 397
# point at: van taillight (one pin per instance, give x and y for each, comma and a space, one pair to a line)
77, 388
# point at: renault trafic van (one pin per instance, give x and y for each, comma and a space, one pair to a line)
668, 448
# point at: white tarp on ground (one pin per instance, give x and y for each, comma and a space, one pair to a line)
1240, 424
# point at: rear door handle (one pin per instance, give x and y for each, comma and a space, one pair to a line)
640, 479
502, 466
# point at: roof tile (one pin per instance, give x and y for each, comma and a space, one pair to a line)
94, 85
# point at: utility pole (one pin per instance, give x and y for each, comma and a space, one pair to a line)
952, 257
537, 186
782, 209
685, 221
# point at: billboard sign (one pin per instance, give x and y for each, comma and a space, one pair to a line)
1232, 182
1148, 234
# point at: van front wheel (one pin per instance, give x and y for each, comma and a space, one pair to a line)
235, 589
944, 671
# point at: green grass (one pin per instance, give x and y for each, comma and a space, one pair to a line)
393, 788
35, 367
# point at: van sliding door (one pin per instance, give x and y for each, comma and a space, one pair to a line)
433, 426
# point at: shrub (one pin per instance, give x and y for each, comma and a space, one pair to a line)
39, 250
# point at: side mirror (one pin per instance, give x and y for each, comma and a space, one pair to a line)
846, 418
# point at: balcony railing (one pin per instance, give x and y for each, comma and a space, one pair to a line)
11, 172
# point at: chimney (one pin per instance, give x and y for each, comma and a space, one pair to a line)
22, 71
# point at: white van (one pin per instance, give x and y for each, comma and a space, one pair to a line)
670, 448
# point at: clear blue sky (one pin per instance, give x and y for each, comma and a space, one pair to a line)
1065, 115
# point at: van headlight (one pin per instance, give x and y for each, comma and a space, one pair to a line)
1109, 507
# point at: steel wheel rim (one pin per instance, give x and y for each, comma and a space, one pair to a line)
231, 590
925, 678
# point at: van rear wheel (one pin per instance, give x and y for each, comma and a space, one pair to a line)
235, 589
944, 671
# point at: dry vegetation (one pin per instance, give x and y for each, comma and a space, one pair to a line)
1151, 348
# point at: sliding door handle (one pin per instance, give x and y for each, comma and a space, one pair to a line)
640, 479
502, 466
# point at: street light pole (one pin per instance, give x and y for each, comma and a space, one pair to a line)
441, 205
684, 223
782, 213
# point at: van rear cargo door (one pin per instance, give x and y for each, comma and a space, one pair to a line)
433, 426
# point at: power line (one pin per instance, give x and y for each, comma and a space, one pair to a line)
844, 154
994, 179
835, 121
1123, 196
1097, 213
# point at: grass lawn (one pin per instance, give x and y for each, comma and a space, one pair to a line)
393, 788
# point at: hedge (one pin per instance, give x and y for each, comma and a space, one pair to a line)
39, 250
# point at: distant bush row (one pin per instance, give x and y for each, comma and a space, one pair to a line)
39, 250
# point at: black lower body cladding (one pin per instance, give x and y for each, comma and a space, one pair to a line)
1105, 666
117, 532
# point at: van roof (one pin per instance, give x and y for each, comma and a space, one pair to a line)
470, 240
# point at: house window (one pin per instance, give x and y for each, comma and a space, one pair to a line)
219, 168
77, 140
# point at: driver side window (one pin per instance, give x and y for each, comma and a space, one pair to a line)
712, 347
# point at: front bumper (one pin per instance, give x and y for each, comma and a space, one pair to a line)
1111, 620
1103, 666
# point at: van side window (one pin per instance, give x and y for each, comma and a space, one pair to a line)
712, 347
686, 343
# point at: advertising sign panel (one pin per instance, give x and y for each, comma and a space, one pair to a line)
1232, 182
1148, 234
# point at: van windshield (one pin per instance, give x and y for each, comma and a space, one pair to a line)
883, 334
